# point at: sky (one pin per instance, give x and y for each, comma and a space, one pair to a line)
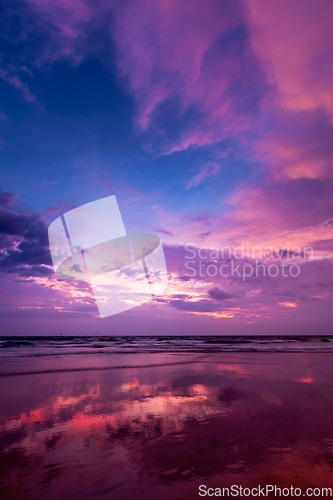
211, 122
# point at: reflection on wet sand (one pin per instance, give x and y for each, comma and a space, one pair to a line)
160, 432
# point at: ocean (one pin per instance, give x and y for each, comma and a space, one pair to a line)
17, 354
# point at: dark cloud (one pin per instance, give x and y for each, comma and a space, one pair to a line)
24, 247
203, 235
288, 254
325, 245
184, 278
217, 294
28, 271
7, 198
162, 231
199, 218
194, 306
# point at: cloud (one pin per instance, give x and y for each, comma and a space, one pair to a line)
209, 169
23, 243
294, 41
245, 76
191, 57
201, 72
7, 198
162, 231
257, 295
276, 207
208, 71
202, 306
217, 294
13, 78
189, 65
41, 33
65, 28
108, 183
325, 245
297, 145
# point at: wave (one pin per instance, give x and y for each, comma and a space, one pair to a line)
33, 346
94, 368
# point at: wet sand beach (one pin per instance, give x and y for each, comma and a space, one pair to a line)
166, 424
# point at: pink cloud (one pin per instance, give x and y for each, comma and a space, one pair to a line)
275, 207
259, 299
260, 73
108, 183
298, 145
66, 22
207, 170
187, 52
268, 213
235, 66
294, 40
15, 80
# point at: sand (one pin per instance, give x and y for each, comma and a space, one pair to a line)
157, 427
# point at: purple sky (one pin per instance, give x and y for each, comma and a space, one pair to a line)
212, 123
